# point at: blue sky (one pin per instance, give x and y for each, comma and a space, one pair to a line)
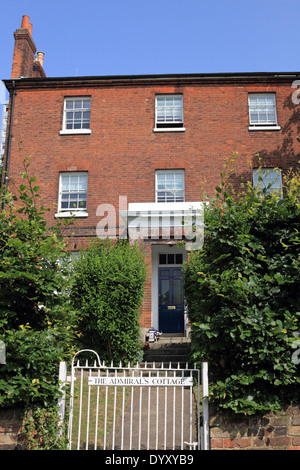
131, 37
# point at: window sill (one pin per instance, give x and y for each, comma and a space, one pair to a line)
264, 128
169, 129
75, 131
65, 214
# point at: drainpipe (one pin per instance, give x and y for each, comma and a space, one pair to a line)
6, 169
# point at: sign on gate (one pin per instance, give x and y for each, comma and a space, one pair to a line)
142, 381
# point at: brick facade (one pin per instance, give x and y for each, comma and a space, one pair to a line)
122, 152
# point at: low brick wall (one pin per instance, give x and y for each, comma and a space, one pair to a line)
274, 431
11, 425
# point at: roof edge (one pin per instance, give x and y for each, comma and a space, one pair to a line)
163, 78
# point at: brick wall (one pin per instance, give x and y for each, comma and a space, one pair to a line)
11, 425
274, 431
122, 152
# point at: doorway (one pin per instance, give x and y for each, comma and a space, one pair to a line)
171, 300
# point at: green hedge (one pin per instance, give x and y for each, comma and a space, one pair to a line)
243, 293
36, 322
107, 294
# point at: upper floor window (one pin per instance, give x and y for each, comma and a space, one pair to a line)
76, 118
72, 200
262, 111
169, 186
268, 181
169, 112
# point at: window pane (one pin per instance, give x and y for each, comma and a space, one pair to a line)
171, 259
178, 101
86, 104
178, 258
179, 196
170, 197
268, 180
262, 108
160, 101
162, 259
177, 292
169, 109
73, 191
165, 292
170, 186
77, 114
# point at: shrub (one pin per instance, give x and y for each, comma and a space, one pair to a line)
44, 431
107, 294
36, 322
243, 293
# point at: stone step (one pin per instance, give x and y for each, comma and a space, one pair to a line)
168, 345
169, 349
153, 355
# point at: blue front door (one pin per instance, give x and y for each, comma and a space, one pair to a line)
171, 308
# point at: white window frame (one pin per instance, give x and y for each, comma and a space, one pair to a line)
264, 108
268, 181
78, 211
171, 190
82, 109
169, 125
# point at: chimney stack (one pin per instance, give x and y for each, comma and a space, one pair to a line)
24, 65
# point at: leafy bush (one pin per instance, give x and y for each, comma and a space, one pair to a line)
107, 294
36, 322
44, 431
243, 293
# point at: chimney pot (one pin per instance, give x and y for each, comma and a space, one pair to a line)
40, 57
25, 22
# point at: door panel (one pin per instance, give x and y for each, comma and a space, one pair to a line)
171, 309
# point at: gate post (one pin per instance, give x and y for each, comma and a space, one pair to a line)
62, 378
205, 440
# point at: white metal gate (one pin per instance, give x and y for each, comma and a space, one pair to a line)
137, 407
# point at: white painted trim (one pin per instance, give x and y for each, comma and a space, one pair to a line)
164, 207
71, 214
169, 129
264, 128
75, 131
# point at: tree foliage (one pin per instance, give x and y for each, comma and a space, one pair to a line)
243, 293
36, 322
107, 294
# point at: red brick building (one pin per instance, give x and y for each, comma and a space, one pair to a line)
133, 153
